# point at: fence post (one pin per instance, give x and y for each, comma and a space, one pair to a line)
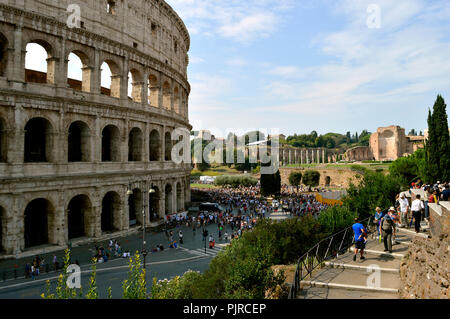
340, 246
329, 245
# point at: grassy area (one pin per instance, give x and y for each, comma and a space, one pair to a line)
372, 166
203, 186
215, 171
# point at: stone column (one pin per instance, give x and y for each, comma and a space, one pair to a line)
95, 82
146, 141
160, 94
58, 229
18, 58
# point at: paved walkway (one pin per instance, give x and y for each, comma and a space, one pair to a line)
343, 278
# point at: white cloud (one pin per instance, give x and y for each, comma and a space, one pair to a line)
241, 21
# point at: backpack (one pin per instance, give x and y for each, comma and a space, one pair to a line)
387, 223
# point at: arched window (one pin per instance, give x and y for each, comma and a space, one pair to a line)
79, 146
78, 72
39, 67
153, 90
176, 100
3, 142
3, 55
168, 147
135, 85
78, 213
168, 199
110, 144
167, 99
39, 216
155, 146
110, 212
38, 141
135, 145
135, 207
154, 199
110, 79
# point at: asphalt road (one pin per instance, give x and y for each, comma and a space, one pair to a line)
164, 264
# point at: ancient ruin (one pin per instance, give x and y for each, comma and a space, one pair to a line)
77, 159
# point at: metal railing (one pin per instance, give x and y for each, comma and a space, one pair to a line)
328, 248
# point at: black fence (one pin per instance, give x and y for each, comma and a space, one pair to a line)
327, 249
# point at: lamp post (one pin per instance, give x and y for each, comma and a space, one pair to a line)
144, 251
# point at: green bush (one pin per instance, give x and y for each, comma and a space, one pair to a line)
311, 178
236, 181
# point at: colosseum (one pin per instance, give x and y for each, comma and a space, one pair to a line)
78, 160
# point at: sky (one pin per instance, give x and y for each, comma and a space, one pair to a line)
294, 66
323, 65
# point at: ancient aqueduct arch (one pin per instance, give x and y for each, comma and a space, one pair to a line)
70, 149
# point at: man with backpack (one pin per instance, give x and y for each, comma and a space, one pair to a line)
387, 227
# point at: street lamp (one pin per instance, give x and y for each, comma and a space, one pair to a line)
144, 251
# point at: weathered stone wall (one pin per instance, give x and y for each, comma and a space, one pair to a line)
338, 177
425, 270
142, 37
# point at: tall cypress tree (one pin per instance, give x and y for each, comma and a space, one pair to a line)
438, 144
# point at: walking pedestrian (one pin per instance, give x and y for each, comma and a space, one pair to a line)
180, 237
416, 208
360, 239
387, 226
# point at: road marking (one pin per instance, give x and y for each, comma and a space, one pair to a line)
103, 270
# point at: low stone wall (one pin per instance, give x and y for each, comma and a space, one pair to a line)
338, 177
425, 270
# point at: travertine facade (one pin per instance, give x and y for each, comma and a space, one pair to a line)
70, 150
359, 153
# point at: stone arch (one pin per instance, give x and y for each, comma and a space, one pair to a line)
180, 205
176, 100
167, 96
2, 229
111, 208
39, 220
39, 140
79, 212
135, 145
154, 200
167, 146
153, 88
110, 144
79, 59
137, 84
155, 146
135, 207
111, 67
3, 141
3, 54
33, 72
327, 180
79, 142
168, 199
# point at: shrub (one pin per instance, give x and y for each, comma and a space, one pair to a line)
311, 178
236, 181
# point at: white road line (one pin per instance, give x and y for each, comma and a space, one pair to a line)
103, 270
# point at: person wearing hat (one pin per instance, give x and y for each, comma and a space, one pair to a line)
387, 227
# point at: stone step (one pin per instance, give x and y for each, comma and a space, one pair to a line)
312, 292
352, 279
365, 268
383, 261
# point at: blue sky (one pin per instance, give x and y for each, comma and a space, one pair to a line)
302, 65
315, 65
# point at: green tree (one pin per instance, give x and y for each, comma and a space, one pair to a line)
295, 178
437, 147
311, 178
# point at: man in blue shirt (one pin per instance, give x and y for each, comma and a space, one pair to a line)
360, 238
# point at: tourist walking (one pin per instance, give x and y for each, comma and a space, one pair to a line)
360, 239
387, 227
404, 208
416, 208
